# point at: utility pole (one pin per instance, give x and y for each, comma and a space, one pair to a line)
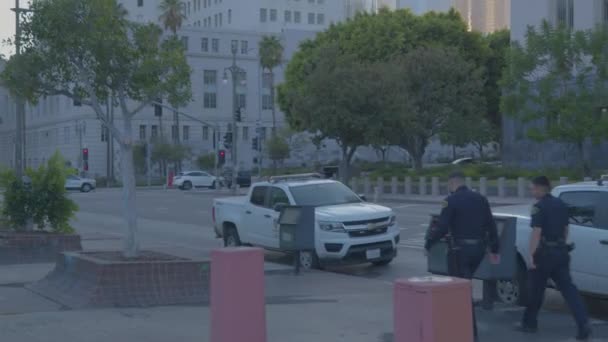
148, 161
20, 105
235, 71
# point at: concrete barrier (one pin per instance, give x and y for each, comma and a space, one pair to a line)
483, 186
238, 310
394, 185
435, 186
422, 186
521, 187
501, 187
433, 309
407, 186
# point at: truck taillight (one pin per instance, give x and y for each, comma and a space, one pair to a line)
213, 214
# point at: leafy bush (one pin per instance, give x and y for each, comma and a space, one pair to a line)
44, 201
206, 161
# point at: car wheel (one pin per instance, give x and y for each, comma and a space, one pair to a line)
212, 185
309, 260
231, 237
86, 187
187, 185
513, 291
382, 262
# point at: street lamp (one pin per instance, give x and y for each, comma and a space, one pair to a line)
235, 72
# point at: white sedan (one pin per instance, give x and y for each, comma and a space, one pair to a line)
195, 179
78, 183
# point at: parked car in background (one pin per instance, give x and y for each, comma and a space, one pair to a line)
79, 183
243, 179
464, 161
347, 229
195, 179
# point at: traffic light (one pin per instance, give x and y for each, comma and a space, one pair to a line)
237, 115
158, 109
228, 140
85, 159
221, 158
254, 143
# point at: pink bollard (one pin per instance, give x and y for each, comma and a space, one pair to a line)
433, 309
237, 295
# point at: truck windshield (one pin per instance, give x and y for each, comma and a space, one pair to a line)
323, 194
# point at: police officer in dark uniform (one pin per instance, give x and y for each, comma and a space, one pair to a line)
550, 258
466, 216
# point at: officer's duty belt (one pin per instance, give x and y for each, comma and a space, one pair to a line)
468, 241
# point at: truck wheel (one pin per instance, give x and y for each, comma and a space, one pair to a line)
382, 262
309, 260
231, 237
514, 291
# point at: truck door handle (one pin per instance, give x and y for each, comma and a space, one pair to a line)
604, 242
248, 212
267, 216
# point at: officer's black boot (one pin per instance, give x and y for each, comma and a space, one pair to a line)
584, 334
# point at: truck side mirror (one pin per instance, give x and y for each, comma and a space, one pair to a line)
363, 197
279, 207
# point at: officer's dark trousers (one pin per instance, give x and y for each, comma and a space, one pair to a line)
463, 263
552, 263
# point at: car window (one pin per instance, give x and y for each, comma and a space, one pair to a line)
276, 196
583, 207
204, 174
322, 194
258, 195
195, 174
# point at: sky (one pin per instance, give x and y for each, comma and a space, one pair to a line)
7, 24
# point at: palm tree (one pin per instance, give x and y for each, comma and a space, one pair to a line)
173, 14
271, 55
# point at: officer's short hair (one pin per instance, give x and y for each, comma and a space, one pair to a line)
542, 181
457, 175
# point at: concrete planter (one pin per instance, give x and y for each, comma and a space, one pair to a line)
104, 279
35, 247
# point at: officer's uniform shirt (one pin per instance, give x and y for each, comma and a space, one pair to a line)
466, 215
550, 214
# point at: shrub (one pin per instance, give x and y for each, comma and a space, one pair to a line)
44, 201
206, 161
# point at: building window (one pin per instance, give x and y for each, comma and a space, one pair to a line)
66, 135
320, 2
221, 21
140, 3
320, 18
267, 80
229, 16
244, 47
565, 13
287, 16
297, 17
215, 20
210, 100
205, 133
604, 11
245, 133
266, 102
241, 101
174, 132
263, 133
263, 15
210, 77
142, 132
273, 15
186, 133
234, 46
311, 18
215, 45
154, 132
185, 42
204, 44
104, 133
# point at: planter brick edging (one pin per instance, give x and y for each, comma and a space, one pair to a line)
80, 280
31, 248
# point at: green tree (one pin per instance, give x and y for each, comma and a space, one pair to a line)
271, 56
172, 14
277, 149
556, 83
498, 43
87, 50
166, 153
339, 99
206, 161
429, 88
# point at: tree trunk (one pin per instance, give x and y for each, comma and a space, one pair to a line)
417, 161
583, 159
347, 156
480, 148
453, 152
274, 118
131, 242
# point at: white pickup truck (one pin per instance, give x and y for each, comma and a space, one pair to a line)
588, 202
347, 229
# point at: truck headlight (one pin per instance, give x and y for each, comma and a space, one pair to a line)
392, 220
336, 227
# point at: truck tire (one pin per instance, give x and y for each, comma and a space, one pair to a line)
309, 260
231, 237
514, 291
